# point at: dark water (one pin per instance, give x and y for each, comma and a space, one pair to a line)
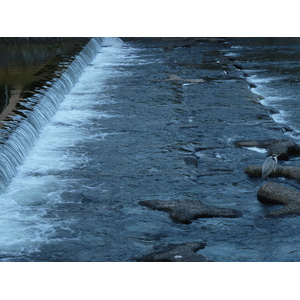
122, 134
22, 63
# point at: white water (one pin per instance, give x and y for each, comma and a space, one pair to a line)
38, 184
40, 108
256, 149
276, 99
273, 96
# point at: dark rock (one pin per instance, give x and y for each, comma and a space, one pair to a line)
275, 193
237, 66
186, 46
193, 39
230, 58
289, 148
258, 97
185, 211
212, 40
171, 47
263, 116
280, 127
177, 253
285, 128
252, 85
271, 110
289, 172
192, 161
197, 149
254, 143
286, 148
255, 171
168, 47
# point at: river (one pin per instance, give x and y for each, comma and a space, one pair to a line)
121, 133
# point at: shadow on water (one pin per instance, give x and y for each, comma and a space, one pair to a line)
26, 64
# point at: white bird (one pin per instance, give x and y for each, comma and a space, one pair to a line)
269, 165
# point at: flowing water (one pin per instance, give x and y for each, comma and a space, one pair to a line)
273, 66
112, 131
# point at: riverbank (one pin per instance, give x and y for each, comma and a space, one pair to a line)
28, 66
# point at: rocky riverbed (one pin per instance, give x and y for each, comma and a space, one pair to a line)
187, 210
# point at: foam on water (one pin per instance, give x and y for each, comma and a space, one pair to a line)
272, 97
269, 85
262, 80
37, 187
271, 100
280, 117
236, 47
276, 80
256, 149
231, 54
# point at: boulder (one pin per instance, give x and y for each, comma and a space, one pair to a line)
254, 171
255, 143
285, 148
289, 172
177, 253
185, 211
275, 193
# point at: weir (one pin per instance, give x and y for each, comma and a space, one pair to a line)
19, 136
